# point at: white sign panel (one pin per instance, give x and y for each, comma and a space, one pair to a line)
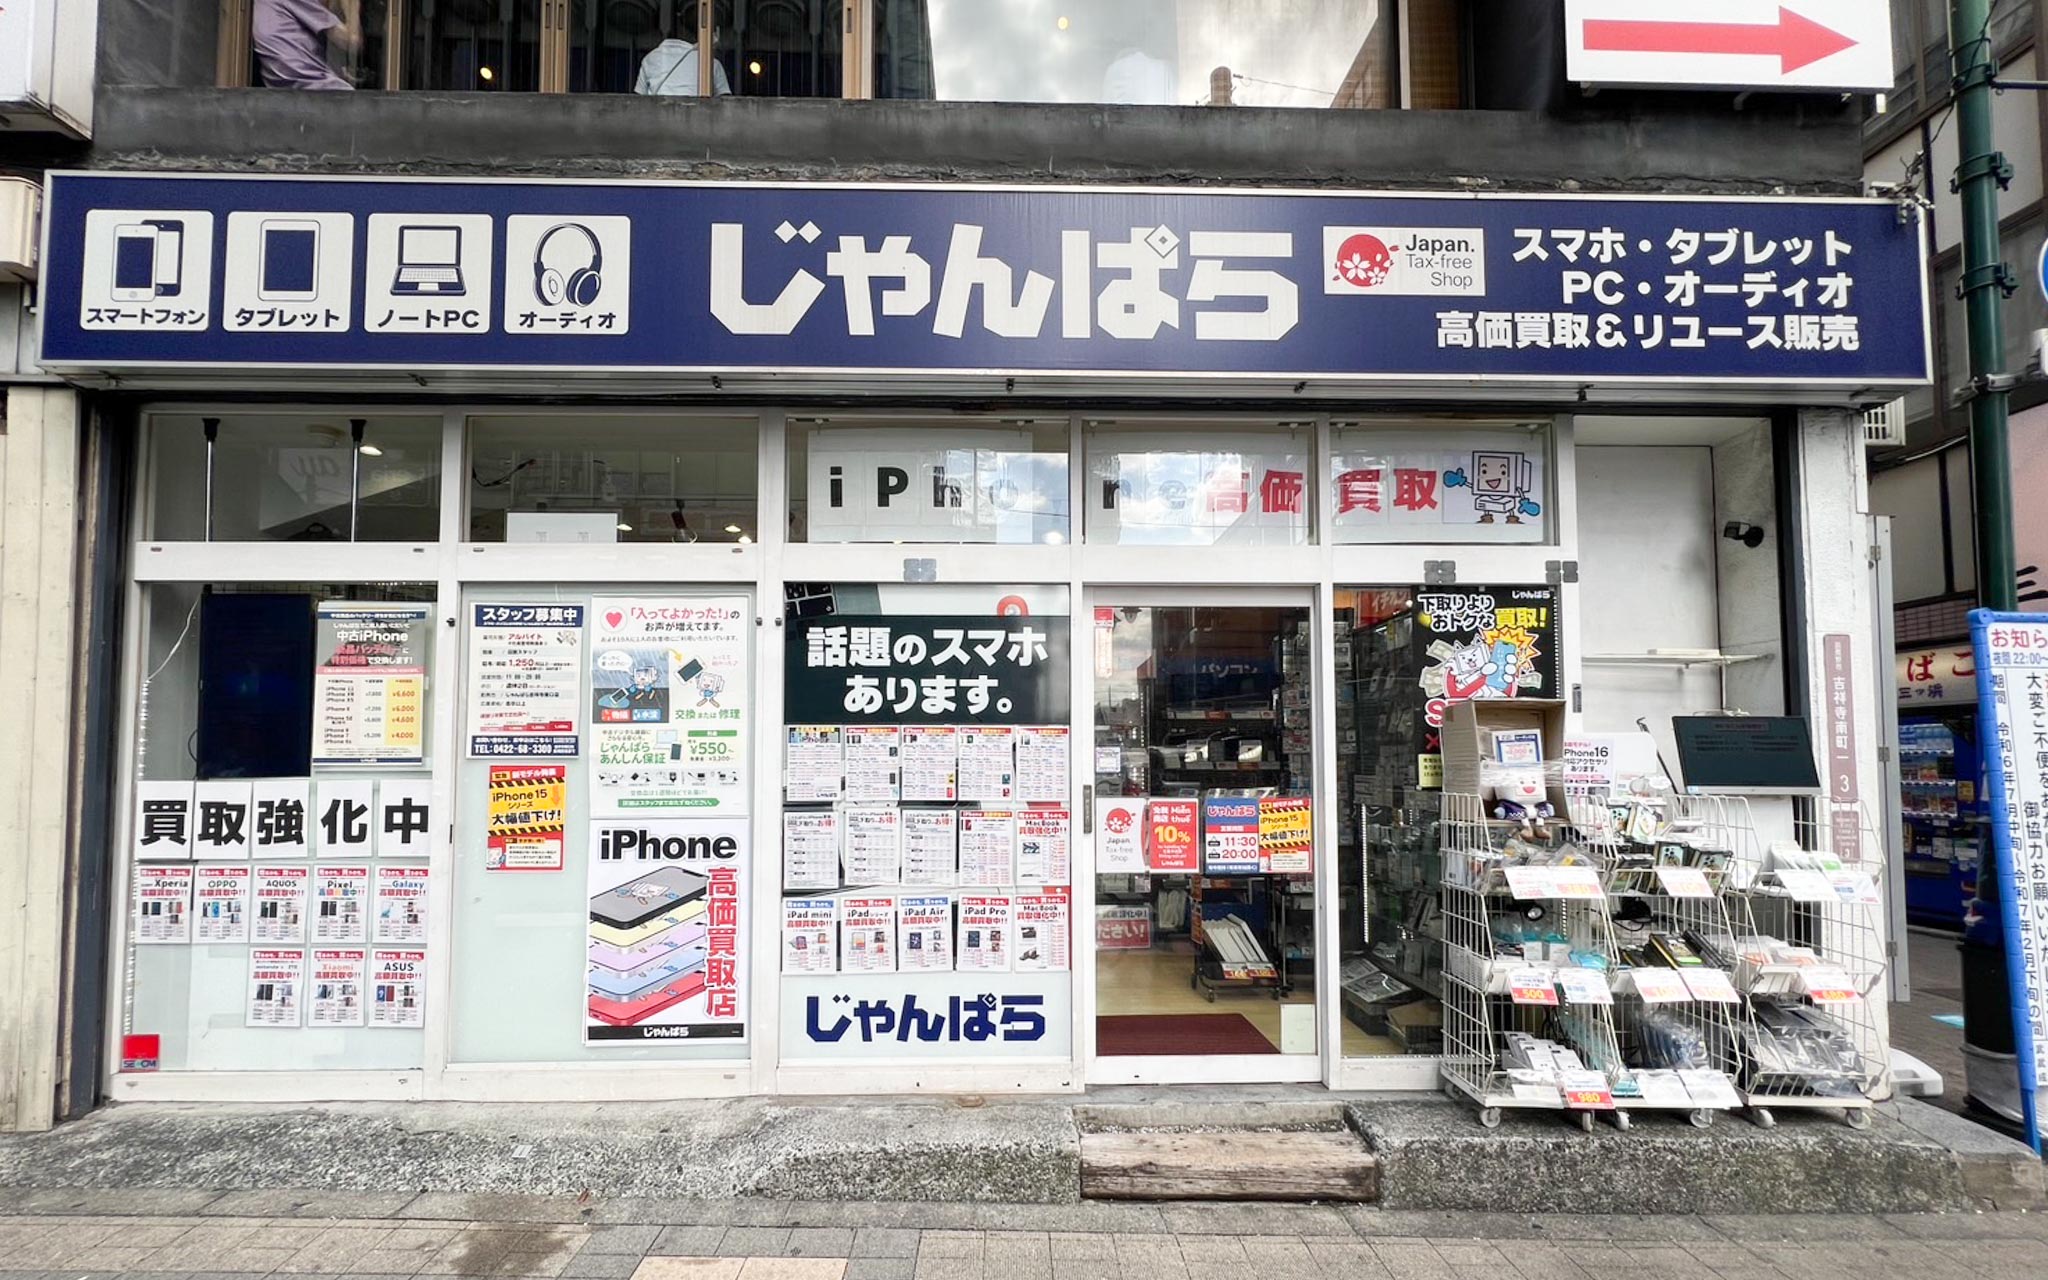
17, 40
1748, 44
525, 679
2013, 654
897, 485
958, 1017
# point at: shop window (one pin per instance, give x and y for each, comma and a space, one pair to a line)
278, 853
323, 477
948, 480
1267, 53
586, 478
604, 856
928, 831
1205, 885
1404, 655
1441, 482
1198, 484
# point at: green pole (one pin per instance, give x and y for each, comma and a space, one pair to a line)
1980, 173
1986, 284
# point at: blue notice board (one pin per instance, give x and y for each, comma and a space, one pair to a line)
2012, 658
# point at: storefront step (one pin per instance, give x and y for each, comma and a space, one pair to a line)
1228, 1164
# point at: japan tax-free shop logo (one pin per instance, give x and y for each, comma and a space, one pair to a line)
1407, 262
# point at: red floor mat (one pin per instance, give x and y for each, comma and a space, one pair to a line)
1157, 1034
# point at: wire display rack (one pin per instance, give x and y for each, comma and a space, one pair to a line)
1505, 1015
1664, 864
1811, 964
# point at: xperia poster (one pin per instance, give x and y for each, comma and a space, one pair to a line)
669, 705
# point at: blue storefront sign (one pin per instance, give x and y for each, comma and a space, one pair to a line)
423, 275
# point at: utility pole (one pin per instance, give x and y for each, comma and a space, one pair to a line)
1981, 173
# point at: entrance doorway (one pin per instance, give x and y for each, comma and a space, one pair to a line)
1205, 890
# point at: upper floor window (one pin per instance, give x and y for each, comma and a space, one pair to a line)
767, 48
1263, 53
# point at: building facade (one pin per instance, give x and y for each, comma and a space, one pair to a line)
581, 587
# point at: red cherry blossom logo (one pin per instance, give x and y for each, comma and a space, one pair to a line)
1364, 260
1118, 821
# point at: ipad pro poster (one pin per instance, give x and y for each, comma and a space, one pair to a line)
666, 954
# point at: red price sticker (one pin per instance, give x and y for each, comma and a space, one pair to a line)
1533, 986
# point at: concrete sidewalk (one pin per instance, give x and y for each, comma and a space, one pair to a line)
197, 1235
1427, 1153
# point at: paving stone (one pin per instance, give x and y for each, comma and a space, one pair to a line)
1085, 1268
688, 1242
1412, 1261
1344, 1257
601, 1266
884, 1242
689, 1269
948, 1267
949, 1244
1970, 1226
1136, 1219
1146, 1250
621, 1239
793, 1269
115, 1258
881, 1268
820, 1242
753, 1242
1071, 1246
309, 1204
389, 1261
655, 1211
467, 1207
1211, 1249
1804, 1226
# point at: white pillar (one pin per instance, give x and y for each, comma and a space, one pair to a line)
1835, 570
39, 468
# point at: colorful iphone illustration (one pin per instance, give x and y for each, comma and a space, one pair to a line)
135, 250
290, 261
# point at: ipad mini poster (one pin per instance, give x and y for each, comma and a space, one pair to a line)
667, 945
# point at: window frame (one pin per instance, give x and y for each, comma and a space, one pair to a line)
857, 72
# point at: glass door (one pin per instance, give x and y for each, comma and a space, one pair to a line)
1205, 878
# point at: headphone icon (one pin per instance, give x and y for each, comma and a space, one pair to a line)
581, 285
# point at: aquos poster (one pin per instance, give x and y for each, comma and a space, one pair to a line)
1485, 642
669, 705
667, 930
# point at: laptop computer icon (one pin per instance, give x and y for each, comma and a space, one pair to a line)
429, 262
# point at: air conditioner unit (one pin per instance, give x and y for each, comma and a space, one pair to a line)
1885, 426
21, 216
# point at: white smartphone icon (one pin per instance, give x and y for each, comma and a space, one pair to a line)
135, 263
170, 257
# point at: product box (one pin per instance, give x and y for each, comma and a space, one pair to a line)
1470, 727
1417, 1027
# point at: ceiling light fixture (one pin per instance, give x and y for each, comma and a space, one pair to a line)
369, 451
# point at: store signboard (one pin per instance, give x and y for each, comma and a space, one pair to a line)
370, 685
1938, 677
2012, 652
1731, 44
963, 1017
926, 669
259, 272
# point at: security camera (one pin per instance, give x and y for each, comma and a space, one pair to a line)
1749, 535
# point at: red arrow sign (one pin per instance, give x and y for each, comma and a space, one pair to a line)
1794, 40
